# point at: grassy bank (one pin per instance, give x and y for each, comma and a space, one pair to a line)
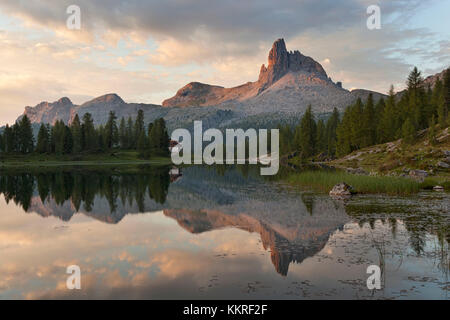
398, 158
90, 159
323, 181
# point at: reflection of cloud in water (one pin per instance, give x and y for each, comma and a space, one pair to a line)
232, 221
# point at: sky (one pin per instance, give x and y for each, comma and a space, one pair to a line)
146, 50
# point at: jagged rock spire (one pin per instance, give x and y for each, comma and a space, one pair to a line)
280, 62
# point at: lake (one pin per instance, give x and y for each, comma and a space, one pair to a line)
213, 233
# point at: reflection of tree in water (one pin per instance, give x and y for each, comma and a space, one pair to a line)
83, 186
18, 188
417, 224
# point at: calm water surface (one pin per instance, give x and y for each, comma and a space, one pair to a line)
213, 233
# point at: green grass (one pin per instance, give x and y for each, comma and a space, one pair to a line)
323, 181
89, 159
430, 183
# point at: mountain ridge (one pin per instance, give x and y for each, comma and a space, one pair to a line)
285, 87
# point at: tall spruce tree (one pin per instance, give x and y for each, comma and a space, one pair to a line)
67, 141
123, 134
75, 128
357, 126
444, 105
130, 134
139, 124
43, 140
387, 125
25, 135
90, 135
321, 144
432, 131
416, 99
369, 123
9, 139
344, 134
2, 143
408, 131
111, 131
331, 134
308, 134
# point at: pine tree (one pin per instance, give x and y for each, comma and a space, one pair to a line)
286, 139
331, 132
379, 110
130, 133
139, 125
2, 143
308, 134
408, 131
357, 128
67, 141
444, 105
432, 131
43, 140
344, 134
437, 96
416, 98
164, 137
369, 123
90, 136
58, 135
111, 131
321, 144
142, 145
9, 139
101, 138
122, 134
75, 128
387, 125
25, 135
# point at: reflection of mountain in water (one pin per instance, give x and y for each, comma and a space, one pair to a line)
290, 236
291, 226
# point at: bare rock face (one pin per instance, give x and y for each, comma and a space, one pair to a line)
46, 112
431, 80
281, 61
287, 85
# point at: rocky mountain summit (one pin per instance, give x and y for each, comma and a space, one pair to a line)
46, 112
285, 87
431, 80
289, 83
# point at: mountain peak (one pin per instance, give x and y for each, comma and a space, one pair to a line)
109, 98
280, 62
64, 101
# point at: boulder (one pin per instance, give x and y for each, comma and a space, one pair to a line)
438, 188
418, 173
447, 153
443, 164
341, 189
357, 171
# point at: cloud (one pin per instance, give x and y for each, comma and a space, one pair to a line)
146, 50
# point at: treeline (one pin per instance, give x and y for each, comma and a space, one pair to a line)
83, 137
367, 123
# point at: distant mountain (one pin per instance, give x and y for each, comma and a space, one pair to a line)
290, 82
65, 110
431, 80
